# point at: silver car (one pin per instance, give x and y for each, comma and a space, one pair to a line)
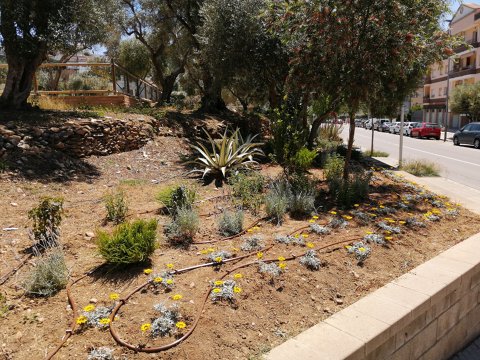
395, 128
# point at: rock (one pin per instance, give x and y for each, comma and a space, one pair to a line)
15, 139
14, 204
192, 285
93, 300
89, 234
338, 301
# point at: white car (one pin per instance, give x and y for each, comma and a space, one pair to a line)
407, 128
395, 127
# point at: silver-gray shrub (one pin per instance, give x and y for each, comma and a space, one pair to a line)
361, 216
386, 210
101, 353
302, 202
164, 325
413, 222
320, 230
252, 243
289, 239
184, 226
219, 254
271, 269
231, 223
361, 251
310, 260
94, 316
226, 291
338, 223
49, 275
393, 229
165, 276
375, 239
277, 200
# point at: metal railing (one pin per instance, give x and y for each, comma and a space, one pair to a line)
121, 82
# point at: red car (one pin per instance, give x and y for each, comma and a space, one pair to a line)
426, 130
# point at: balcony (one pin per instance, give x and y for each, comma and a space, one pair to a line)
426, 99
468, 44
458, 71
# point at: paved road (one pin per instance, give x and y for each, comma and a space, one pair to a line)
460, 164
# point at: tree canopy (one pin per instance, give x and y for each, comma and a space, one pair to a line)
466, 100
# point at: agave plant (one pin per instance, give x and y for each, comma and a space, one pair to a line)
227, 154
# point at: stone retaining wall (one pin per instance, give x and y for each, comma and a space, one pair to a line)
429, 313
80, 137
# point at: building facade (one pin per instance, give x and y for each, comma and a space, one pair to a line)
464, 69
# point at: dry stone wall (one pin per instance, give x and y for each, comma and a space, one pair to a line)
79, 137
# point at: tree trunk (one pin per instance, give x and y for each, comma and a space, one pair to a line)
19, 81
212, 101
273, 97
351, 136
314, 130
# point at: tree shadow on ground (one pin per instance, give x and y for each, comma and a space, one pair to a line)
49, 166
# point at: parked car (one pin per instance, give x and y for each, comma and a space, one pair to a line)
384, 126
368, 123
359, 122
426, 130
395, 127
469, 134
407, 128
377, 125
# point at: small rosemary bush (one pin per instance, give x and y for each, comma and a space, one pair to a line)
231, 223
49, 276
175, 198
46, 218
248, 188
101, 353
310, 260
116, 207
184, 226
130, 243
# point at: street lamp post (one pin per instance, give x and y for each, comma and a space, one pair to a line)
445, 122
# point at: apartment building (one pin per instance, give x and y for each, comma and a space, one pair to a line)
464, 69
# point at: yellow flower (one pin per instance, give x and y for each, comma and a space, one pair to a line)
169, 281
348, 247
177, 297
158, 279
282, 265
256, 228
170, 266
311, 221
388, 232
391, 221
89, 308
104, 321
218, 259
347, 217
237, 276
281, 258
204, 252
382, 207
216, 290
180, 325
296, 236
374, 208
305, 236
235, 249
237, 289
356, 205
218, 283
250, 230
211, 250
333, 212
369, 232
146, 327
114, 296
401, 222
147, 271
260, 255
388, 238
361, 249
310, 245
372, 215
81, 320
315, 217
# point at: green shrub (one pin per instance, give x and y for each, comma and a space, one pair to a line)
130, 243
176, 197
183, 227
421, 168
49, 276
248, 189
116, 207
277, 199
376, 153
333, 169
348, 192
330, 132
46, 218
231, 223
303, 160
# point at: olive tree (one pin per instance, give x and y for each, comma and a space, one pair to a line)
30, 30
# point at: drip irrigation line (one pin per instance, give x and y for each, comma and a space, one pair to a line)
9, 274
73, 305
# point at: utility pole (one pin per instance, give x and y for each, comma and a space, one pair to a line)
373, 134
446, 118
400, 152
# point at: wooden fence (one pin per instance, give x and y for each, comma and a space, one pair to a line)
122, 84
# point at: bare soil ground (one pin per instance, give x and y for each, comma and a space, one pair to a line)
265, 313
